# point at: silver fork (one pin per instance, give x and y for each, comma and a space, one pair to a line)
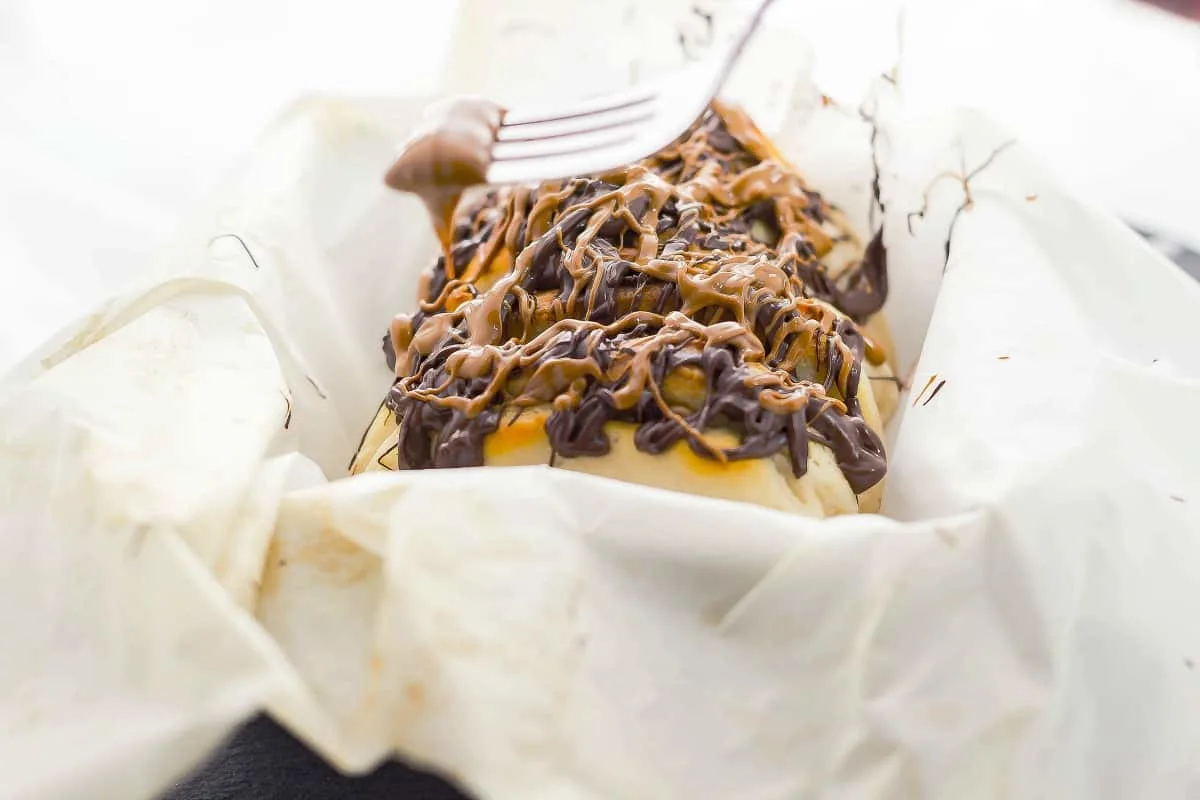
610, 131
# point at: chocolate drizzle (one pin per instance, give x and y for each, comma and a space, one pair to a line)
450, 154
684, 294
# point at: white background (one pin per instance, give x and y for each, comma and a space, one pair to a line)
118, 119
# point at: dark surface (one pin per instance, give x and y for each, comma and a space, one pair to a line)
1188, 259
263, 762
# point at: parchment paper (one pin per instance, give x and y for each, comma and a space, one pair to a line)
181, 549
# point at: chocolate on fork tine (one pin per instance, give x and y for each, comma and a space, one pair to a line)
472, 141
603, 133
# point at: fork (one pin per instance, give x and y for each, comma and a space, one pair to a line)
610, 131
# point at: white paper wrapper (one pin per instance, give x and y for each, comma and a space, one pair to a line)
1021, 624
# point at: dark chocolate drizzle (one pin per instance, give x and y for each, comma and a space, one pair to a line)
682, 294
628, 377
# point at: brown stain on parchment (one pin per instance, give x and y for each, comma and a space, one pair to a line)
269, 581
330, 553
414, 693
947, 537
337, 557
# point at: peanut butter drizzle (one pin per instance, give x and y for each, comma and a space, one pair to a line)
700, 259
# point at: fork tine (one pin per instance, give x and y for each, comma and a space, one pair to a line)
571, 126
564, 145
588, 162
597, 105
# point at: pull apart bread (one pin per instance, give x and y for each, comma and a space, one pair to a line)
700, 321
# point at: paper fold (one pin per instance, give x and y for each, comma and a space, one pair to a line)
186, 549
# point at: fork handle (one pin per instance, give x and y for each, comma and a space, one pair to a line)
741, 35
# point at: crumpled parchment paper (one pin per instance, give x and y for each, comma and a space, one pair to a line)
181, 547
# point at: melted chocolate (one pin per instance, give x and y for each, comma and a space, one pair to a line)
682, 294
449, 154
707, 162
624, 372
